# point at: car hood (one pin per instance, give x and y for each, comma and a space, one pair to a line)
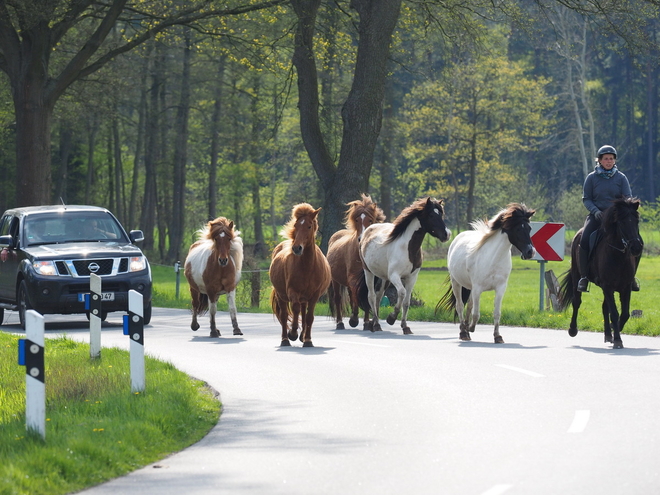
82, 250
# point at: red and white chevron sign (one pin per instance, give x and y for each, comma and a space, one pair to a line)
548, 240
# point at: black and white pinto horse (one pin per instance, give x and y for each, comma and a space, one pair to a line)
392, 252
479, 260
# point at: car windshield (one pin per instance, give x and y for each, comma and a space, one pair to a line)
59, 228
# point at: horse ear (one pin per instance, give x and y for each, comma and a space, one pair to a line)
231, 225
316, 212
530, 213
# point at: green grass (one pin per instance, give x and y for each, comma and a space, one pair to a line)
520, 306
96, 428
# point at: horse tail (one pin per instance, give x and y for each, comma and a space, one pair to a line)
275, 306
360, 291
203, 304
448, 301
566, 290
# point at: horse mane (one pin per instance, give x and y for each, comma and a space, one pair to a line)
503, 220
408, 214
360, 206
222, 224
299, 210
621, 207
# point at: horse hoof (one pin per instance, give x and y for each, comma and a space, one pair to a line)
237, 331
499, 340
293, 335
391, 319
609, 340
377, 328
407, 331
572, 332
285, 343
464, 336
308, 344
618, 345
195, 327
340, 326
214, 334
353, 322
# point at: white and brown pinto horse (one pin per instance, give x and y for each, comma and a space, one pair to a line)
213, 268
300, 275
344, 258
480, 260
392, 252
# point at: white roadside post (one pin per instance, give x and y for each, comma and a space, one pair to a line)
93, 305
134, 328
31, 355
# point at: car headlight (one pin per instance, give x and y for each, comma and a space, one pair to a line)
45, 268
138, 263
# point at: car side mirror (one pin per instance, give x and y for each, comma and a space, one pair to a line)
7, 241
136, 236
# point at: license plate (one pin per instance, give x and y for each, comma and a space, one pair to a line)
105, 296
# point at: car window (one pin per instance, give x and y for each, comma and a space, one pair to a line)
72, 227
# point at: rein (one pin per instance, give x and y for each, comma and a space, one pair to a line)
624, 241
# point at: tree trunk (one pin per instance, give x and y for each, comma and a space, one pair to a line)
215, 140
177, 225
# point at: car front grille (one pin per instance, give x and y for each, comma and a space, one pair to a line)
84, 267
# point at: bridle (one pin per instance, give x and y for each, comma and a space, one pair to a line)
624, 241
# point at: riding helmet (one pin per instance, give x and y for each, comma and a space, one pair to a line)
607, 149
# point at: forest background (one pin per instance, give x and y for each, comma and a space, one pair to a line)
170, 113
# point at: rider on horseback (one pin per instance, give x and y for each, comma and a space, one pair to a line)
601, 187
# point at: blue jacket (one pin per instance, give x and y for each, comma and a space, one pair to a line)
599, 192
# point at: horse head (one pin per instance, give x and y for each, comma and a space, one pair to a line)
361, 214
514, 222
302, 227
621, 222
433, 219
221, 232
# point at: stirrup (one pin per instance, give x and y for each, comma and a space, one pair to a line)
634, 285
583, 285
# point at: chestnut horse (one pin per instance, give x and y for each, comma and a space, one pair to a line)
345, 262
213, 267
300, 275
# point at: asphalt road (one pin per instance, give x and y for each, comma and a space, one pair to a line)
384, 413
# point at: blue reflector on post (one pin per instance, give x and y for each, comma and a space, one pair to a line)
87, 302
21, 352
125, 324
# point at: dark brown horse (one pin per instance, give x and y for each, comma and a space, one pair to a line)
300, 275
213, 267
612, 265
344, 259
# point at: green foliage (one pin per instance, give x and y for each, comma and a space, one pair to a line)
96, 429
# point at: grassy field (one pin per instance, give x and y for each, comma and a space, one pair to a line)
519, 308
96, 428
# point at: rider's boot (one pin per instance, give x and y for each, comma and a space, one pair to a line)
583, 264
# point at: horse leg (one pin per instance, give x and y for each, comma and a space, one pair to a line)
213, 308
282, 313
355, 311
410, 283
231, 301
617, 342
369, 279
497, 312
460, 310
624, 297
607, 327
475, 299
576, 300
195, 296
295, 310
307, 317
336, 301
400, 298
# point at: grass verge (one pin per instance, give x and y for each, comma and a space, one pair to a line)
96, 428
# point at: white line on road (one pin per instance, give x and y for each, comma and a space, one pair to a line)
579, 421
361, 343
520, 370
497, 490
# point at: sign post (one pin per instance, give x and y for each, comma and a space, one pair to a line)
31, 355
548, 241
134, 328
93, 305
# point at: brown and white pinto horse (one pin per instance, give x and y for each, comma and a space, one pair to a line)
213, 267
345, 262
300, 275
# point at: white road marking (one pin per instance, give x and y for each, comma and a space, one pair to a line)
579, 421
362, 343
520, 370
497, 490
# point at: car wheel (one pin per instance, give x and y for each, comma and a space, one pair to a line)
23, 303
147, 314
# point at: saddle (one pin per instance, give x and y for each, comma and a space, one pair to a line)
594, 239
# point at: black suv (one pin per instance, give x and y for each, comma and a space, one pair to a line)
47, 254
